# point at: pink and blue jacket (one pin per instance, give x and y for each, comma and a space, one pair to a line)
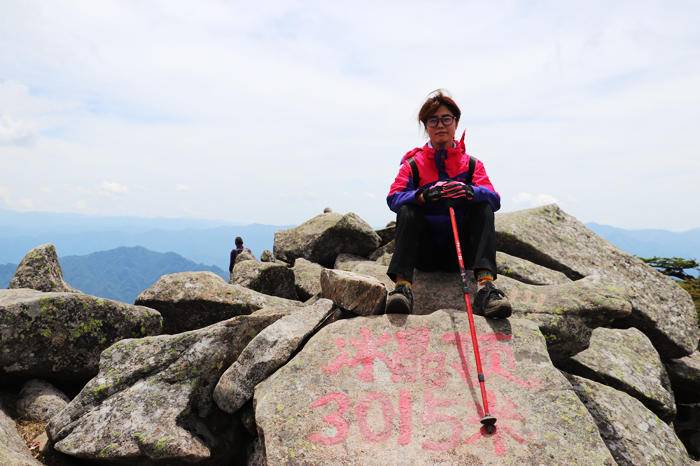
431, 169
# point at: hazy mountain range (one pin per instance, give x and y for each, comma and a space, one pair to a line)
649, 243
202, 241
118, 257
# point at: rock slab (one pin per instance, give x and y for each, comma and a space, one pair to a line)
363, 266
269, 350
192, 300
633, 434
567, 313
152, 398
626, 360
550, 237
13, 450
397, 389
356, 293
528, 272
61, 335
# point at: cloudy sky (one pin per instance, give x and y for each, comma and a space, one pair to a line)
270, 111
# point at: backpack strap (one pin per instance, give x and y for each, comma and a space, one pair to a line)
470, 171
415, 176
414, 172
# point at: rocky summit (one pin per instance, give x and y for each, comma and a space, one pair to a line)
294, 361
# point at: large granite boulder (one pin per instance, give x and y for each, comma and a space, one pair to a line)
269, 350
61, 335
567, 313
40, 401
152, 398
13, 450
626, 360
549, 237
307, 278
266, 277
323, 237
352, 292
528, 272
403, 390
633, 434
685, 376
191, 300
40, 270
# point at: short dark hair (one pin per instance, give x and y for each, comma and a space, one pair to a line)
435, 99
239, 240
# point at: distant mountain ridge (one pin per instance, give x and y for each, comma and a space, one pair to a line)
120, 273
649, 243
203, 241
199, 242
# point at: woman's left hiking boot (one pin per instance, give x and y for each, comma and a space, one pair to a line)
400, 301
492, 303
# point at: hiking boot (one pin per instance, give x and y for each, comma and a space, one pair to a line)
492, 303
400, 301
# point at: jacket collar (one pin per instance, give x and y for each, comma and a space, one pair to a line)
458, 148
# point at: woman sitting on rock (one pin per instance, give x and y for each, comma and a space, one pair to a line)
430, 177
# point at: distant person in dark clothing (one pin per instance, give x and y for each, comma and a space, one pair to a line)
235, 252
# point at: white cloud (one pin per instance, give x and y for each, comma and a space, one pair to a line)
81, 205
112, 187
15, 131
250, 106
24, 203
9, 201
4, 195
526, 200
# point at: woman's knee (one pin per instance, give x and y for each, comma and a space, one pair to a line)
484, 209
408, 212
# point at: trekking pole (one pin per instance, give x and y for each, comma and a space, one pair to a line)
488, 421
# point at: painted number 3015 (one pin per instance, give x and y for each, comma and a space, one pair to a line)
400, 412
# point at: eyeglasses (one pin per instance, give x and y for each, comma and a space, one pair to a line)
446, 120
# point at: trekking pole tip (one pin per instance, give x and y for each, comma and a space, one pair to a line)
489, 423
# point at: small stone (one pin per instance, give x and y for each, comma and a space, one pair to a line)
267, 256
40, 270
40, 401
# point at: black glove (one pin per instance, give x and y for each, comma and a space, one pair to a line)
432, 193
457, 190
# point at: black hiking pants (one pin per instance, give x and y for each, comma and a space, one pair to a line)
415, 248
